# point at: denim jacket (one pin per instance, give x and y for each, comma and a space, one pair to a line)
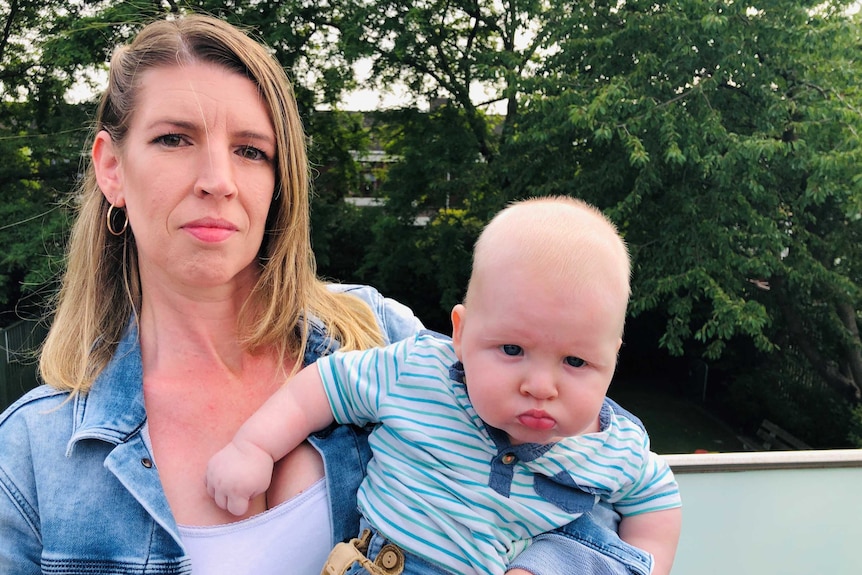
80, 495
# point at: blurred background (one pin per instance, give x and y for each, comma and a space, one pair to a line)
722, 138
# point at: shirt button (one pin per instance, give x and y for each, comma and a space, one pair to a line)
509, 459
147, 462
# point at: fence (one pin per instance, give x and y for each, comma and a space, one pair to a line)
787, 512
18, 345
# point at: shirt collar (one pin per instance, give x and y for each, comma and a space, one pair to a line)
113, 408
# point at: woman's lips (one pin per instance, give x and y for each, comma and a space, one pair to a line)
210, 230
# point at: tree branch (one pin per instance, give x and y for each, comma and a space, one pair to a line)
7, 29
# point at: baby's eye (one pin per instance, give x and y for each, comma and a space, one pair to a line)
511, 349
575, 361
252, 153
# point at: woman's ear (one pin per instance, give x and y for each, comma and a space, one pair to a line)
458, 314
106, 163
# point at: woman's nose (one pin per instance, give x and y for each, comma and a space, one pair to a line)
216, 175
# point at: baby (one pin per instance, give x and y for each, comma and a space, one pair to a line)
502, 432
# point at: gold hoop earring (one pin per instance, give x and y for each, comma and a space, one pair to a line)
110, 218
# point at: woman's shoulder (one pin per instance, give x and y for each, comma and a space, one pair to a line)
396, 320
38, 401
40, 420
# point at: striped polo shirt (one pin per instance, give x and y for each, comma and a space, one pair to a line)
454, 491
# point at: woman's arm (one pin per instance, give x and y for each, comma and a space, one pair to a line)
20, 544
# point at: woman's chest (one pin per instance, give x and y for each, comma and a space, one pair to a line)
186, 429
187, 425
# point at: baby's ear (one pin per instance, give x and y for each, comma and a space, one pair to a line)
458, 315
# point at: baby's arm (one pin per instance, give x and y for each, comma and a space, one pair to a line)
657, 532
243, 469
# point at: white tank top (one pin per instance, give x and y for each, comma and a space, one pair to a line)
293, 537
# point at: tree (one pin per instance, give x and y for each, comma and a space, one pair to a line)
445, 50
439, 171
733, 131
723, 138
451, 155
40, 135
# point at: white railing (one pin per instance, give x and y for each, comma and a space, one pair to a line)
765, 513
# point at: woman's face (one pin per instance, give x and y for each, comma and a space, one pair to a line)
195, 175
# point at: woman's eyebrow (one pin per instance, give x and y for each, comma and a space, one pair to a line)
180, 124
257, 136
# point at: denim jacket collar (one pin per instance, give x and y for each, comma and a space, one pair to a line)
113, 409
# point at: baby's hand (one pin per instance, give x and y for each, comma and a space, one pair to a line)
236, 474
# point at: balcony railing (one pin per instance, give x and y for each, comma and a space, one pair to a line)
770, 513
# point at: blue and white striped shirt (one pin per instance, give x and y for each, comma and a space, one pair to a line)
446, 487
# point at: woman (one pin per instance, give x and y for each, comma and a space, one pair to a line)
190, 294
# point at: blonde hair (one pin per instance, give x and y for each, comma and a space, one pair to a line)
101, 291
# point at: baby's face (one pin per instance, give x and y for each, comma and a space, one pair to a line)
538, 358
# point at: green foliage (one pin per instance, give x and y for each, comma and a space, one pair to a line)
336, 137
40, 164
427, 266
437, 179
727, 149
784, 390
722, 138
340, 236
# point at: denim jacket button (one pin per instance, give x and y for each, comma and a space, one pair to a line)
147, 462
508, 459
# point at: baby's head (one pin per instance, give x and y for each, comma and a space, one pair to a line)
563, 240
542, 321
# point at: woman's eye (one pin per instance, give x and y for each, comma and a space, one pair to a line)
575, 361
511, 349
252, 153
169, 140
